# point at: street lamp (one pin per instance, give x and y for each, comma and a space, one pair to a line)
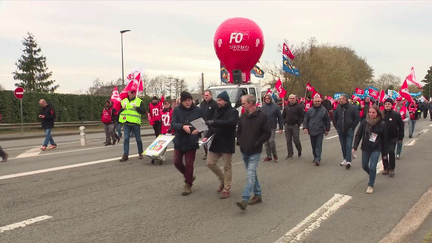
121, 35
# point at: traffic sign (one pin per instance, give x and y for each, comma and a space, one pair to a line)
19, 93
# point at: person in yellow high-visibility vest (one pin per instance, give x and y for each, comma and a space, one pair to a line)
130, 117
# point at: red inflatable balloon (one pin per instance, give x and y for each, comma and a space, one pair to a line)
239, 43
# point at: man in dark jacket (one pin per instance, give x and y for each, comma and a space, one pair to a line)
253, 130
208, 106
47, 114
293, 115
274, 115
316, 124
223, 128
345, 120
395, 133
186, 138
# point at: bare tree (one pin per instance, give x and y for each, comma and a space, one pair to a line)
386, 80
97, 84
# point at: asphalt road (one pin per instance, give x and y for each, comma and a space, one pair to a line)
103, 200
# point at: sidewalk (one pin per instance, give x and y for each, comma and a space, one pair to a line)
145, 131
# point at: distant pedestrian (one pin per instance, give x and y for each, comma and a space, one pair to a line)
253, 130
130, 117
414, 115
186, 138
108, 118
154, 114
403, 112
345, 120
3, 154
364, 107
166, 118
208, 106
47, 116
293, 115
430, 108
317, 124
223, 127
275, 118
373, 135
395, 134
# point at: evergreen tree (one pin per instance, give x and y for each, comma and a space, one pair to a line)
428, 80
32, 70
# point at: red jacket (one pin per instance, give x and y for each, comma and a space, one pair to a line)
155, 111
166, 117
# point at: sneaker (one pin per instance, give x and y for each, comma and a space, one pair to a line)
108, 143
43, 148
52, 146
205, 157
187, 190
242, 205
348, 165
5, 158
343, 163
267, 159
397, 156
124, 158
221, 187
385, 172
255, 200
369, 190
317, 162
140, 156
288, 157
114, 141
275, 159
225, 195
299, 154
391, 173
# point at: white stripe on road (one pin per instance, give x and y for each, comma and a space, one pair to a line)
332, 137
29, 153
24, 223
430, 125
410, 142
313, 221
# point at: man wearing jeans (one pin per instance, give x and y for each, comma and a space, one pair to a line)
253, 130
345, 120
130, 117
316, 124
47, 116
293, 115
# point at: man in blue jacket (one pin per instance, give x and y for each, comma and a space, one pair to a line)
275, 117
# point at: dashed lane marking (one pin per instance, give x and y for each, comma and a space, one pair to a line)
29, 153
314, 220
332, 137
24, 223
410, 142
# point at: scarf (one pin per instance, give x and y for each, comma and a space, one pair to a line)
371, 123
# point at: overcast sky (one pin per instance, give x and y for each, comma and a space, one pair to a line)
81, 39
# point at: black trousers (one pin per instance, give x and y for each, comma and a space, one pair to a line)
2, 153
157, 127
390, 162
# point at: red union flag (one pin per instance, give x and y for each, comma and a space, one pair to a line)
382, 97
286, 51
374, 94
359, 91
280, 89
115, 98
309, 87
411, 77
315, 94
404, 92
269, 92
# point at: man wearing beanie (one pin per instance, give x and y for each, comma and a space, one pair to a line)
186, 138
223, 127
395, 134
208, 106
154, 115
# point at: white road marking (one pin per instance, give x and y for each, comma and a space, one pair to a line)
430, 125
59, 168
423, 131
332, 137
29, 153
314, 220
410, 142
24, 223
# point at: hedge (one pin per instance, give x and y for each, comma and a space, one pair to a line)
69, 107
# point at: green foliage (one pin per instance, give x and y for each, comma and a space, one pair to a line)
32, 70
68, 107
428, 80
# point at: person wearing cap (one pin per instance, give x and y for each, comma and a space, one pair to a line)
130, 113
186, 138
275, 118
395, 134
154, 115
208, 106
223, 127
403, 111
345, 120
316, 124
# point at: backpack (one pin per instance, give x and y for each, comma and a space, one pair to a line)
106, 115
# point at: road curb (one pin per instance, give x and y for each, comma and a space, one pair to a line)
412, 220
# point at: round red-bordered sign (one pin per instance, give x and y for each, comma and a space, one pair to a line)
19, 93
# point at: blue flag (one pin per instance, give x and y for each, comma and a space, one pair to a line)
394, 94
337, 95
416, 95
288, 67
257, 72
224, 74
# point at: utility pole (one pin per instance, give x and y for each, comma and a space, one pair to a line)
202, 83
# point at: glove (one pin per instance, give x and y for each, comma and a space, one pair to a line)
209, 122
